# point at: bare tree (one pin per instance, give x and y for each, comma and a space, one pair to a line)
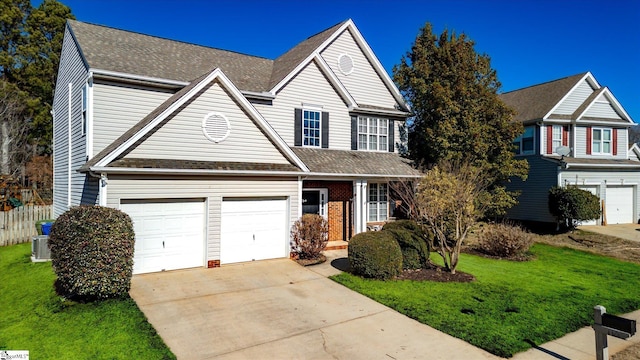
449, 201
14, 130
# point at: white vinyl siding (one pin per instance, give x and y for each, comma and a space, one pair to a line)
364, 84
116, 108
71, 71
211, 189
605, 180
309, 87
575, 99
181, 137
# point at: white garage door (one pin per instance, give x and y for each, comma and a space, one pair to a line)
619, 205
169, 234
594, 190
253, 229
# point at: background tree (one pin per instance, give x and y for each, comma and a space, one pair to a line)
634, 134
447, 206
457, 113
14, 129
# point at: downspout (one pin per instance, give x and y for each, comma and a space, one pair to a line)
102, 187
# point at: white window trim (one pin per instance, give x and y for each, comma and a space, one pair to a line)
317, 109
519, 142
602, 141
378, 202
378, 135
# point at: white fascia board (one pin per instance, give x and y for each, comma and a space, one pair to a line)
306, 61
324, 67
587, 75
360, 176
258, 95
271, 133
376, 64
138, 77
160, 171
605, 123
162, 116
552, 121
379, 111
612, 166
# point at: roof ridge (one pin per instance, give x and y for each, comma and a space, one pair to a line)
546, 82
168, 39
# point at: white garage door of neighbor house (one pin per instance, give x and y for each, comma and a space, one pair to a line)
594, 190
253, 229
169, 234
619, 205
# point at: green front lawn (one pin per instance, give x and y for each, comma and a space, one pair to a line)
513, 303
34, 318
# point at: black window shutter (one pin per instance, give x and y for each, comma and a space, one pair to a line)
354, 133
392, 144
325, 130
297, 128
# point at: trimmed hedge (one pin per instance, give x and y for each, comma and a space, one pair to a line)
375, 254
412, 241
572, 205
92, 253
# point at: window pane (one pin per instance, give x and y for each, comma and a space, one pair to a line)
528, 132
383, 143
373, 192
362, 142
373, 211
597, 134
596, 147
373, 126
606, 134
382, 211
606, 147
383, 192
384, 126
516, 145
527, 145
373, 142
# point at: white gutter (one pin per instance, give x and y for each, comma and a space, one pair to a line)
378, 111
138, 77
602, 165
258, 95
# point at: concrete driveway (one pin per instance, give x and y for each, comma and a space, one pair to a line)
623, 231
277, 309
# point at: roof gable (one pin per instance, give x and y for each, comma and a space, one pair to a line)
157, 117
602, 106
536, 102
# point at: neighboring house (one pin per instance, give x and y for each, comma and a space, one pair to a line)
577, 116
215, 154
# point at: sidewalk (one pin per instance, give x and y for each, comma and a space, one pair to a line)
578, 345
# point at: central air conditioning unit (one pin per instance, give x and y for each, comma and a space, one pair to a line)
39, 249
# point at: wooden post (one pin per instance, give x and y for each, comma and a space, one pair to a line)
602, 348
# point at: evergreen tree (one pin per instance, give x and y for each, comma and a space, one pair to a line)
453, 92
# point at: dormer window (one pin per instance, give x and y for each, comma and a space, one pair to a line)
601, 141
524, 144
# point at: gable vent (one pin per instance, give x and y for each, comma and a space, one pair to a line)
216, 127
345, 64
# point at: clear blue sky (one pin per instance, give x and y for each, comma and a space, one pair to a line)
528, 41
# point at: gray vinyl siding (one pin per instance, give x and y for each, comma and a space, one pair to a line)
581, 144
533, 199
602, 110
364, 84
211, 189
602, 179
117, 107
309, 87
182, 138
71, 70
575, 99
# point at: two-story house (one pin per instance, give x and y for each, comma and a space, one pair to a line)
214, 154
575, 133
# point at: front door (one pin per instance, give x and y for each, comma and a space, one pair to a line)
314, 201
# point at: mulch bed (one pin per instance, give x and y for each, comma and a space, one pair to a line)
435, 273
308, 262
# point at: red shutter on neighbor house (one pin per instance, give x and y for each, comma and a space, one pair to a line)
565, 136
615, 142
549, 139
588, 140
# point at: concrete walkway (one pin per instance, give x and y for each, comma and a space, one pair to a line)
276, 309
623, 231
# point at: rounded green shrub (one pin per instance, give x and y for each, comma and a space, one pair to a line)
413, 243
572, 205
375, 254
92, 253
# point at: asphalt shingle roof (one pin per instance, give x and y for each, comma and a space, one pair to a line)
355, 162
201, 165
534, 102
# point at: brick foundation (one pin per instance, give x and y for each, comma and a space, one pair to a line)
213, 263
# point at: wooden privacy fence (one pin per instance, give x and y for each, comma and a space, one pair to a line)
19, 225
